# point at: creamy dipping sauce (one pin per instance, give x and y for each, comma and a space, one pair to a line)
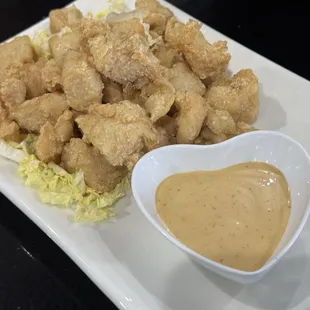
235, 216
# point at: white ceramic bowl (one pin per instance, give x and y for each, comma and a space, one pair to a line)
265, 146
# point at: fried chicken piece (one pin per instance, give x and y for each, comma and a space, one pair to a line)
127, 27
124, 59
81, 83
155, 14
243, 127
112, 91
9, 130
205, 59
99, 174
61, 45
64, 126
220, 122
237, 95
12, 92
159, 97
51, 140
183, 79
152, 6
33, 114
90, 28
87, 29
191, 115
221, 74
157, 22
51, 75
209, 137
168, 56
60, 18
31, 75
118, 130
48, 148
16, 52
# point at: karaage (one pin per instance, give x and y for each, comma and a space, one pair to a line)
81, 83
206, 60
32, 114
237, 95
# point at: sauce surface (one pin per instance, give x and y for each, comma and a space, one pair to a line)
235, 216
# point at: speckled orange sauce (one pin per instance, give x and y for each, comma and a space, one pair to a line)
235, 216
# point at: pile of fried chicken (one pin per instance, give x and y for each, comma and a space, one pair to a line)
116, 88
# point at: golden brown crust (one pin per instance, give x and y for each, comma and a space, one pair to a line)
237, 95
33, 114
81, 83
205, 59
191, 115
99, 174
60, 18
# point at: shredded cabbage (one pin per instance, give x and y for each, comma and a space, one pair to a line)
17, 151
116, 6
58, 187
40, 43
11, 151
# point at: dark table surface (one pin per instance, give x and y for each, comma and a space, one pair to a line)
34, 273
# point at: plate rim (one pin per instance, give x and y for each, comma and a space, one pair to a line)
110, 290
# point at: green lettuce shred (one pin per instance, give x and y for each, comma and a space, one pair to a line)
40, 43
58, 187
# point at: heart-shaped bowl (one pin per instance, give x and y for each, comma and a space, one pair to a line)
270, 147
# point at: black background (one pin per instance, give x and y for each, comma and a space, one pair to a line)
34, 273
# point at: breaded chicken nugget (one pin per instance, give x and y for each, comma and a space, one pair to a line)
191, 115
119, 131
33, 114
125, 60
81, 83
209, 137
237, 95
48, 148
167, 55
9, 130
159, 97
51, 140
14, 53
60, 18
205, 59
220, 122
51, 75
183, 79
61, 45
99, 174
12, 92
155, 14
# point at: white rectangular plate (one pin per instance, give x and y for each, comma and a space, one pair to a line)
134, 265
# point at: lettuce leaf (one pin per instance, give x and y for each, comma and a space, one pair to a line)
57, 187
11, 151
40, 43
115, 6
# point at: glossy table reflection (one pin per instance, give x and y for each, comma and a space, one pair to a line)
34, 273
